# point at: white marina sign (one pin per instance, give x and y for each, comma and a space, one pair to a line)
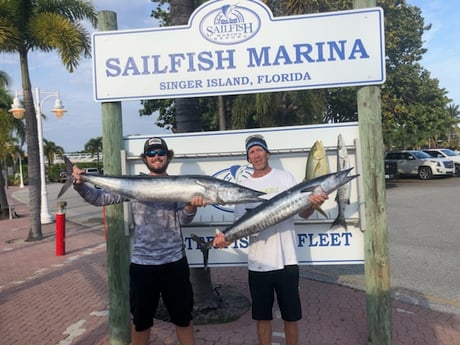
234, 47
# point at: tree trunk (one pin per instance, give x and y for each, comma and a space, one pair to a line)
221, 111
4, 211
188, 119
35, 231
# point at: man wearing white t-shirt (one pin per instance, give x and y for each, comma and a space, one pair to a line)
272, 261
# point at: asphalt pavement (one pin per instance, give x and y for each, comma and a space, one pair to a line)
423, 245
49, 299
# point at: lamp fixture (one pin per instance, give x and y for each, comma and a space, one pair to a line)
58, 108
16, 109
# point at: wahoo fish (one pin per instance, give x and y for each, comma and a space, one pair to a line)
343, 192
317, 165
169, 188
281, 207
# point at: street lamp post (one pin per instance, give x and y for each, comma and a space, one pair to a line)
21, 179
18, 112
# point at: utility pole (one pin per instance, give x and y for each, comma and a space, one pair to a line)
117, 242
376, 253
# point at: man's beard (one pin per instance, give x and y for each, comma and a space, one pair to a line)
159, 171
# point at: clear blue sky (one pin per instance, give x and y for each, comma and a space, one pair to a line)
82, 121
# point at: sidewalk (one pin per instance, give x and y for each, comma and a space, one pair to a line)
62, 300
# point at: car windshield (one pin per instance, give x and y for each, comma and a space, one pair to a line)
449, 152
421, 154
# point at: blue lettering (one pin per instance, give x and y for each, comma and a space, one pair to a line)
244, 242
258, 58
282, 55
320, 47
112, 64
347, 236
303, 50
156, 65
145, 64
335, 239
206, 62
358, 47
181, 84
306, 53
221, 58
301, 238
324, 239
312, 244
340, 51
175, 62
131, 66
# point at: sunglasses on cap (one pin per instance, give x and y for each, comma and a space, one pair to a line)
153, 153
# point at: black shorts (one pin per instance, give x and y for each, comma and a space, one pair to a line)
170, 281
285, 283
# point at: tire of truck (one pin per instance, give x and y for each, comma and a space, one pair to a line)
457, 170
425, 173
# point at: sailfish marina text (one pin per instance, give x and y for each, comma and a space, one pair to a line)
302, 53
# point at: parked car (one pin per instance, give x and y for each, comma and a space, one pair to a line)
92, 171
421, 164
63, 176
446, 153
391, 169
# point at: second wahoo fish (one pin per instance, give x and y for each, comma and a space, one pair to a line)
282, 206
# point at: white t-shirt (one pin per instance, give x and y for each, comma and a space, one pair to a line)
275, 247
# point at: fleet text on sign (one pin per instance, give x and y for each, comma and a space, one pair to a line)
233, 47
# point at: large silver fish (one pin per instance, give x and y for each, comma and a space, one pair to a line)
343, 192
282, 206
169, 188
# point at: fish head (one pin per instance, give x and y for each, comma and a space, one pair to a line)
335, 180
317, 162
317, 150
238, 194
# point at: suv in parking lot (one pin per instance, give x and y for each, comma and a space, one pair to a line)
446, 153
419, 163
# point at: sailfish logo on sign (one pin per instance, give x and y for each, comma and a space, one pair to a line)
230, 24
233, 174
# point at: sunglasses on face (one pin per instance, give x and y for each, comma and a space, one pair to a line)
153, 153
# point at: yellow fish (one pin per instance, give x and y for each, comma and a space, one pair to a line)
317, 165
317, 162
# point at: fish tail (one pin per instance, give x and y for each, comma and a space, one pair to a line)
339, 222
321, 211
69, 180
204, 247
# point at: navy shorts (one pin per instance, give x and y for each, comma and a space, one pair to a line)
285, 283
170, 281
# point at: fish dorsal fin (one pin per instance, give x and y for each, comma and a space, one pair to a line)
308, 189
202, 184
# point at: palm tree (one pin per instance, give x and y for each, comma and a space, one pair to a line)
50, 150
44, 25
453, 112
188, 120
11, 133
94, 146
